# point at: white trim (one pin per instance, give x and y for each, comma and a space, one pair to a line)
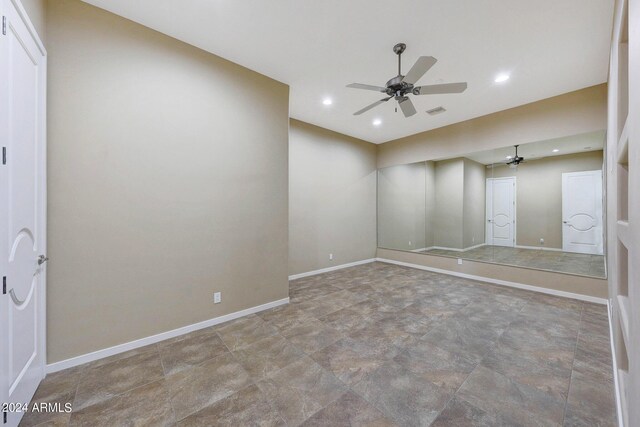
616, 381
539, 248
548, 291
474, 247
32, 30
328, 269
121, 348
444, 248
423, 249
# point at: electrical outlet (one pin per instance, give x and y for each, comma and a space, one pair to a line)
409, 242
473, 240
330, 256
541, 241
217, 297
459, 261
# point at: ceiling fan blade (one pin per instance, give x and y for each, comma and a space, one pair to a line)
422, 65
440, 89
368, 87
369, 107
407, 107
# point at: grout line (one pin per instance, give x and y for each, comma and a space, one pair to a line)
575, 349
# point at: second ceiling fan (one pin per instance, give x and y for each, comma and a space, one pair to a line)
400, 86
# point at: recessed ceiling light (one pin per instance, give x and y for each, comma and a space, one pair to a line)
327, 101
501, 78
555, 150
377, 122
508, 157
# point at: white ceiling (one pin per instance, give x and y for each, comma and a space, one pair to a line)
549, 47
591, 141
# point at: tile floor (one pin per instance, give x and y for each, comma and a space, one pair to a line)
565, 262
373, 345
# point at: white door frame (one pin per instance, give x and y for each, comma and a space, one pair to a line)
14, 9
489, 208
599, 212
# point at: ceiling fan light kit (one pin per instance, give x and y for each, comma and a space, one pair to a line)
400, 86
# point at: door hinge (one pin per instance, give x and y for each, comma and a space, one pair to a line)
4, 285
4, 25
4, 155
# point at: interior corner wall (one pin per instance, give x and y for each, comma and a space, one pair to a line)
332, 198
474, 205
449, 194
430, 202
402, 207
539, 195
168, 181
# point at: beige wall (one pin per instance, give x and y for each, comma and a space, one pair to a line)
589, 286
449, 191
569, 114
430, 199
167, 182
474, 205
402, 206
539, 195
332, 198
37, 10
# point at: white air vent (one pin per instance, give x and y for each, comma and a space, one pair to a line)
437, 110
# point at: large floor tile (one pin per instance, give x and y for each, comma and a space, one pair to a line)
443, 368
191, 351
506, 398
194, 388
245, 331
105, 381
312, 335
57, 388
460, 413
267, 356
248, 407
146, 405
301, 389
405, 398
590, 400
351, 359
349, 410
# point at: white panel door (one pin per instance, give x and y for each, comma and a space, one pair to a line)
582, 212
501, 211
22, 210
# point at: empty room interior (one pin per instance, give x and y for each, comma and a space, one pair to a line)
320, 213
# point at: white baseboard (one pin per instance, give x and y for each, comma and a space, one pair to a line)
328, 269
540, 248
121, 348
616, 379
474, 247
444, 248
500, 282
422, 249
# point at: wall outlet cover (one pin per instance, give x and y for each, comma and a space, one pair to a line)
217, 297
459, 261
330, 256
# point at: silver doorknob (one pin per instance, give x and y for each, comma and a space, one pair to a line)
42, 259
